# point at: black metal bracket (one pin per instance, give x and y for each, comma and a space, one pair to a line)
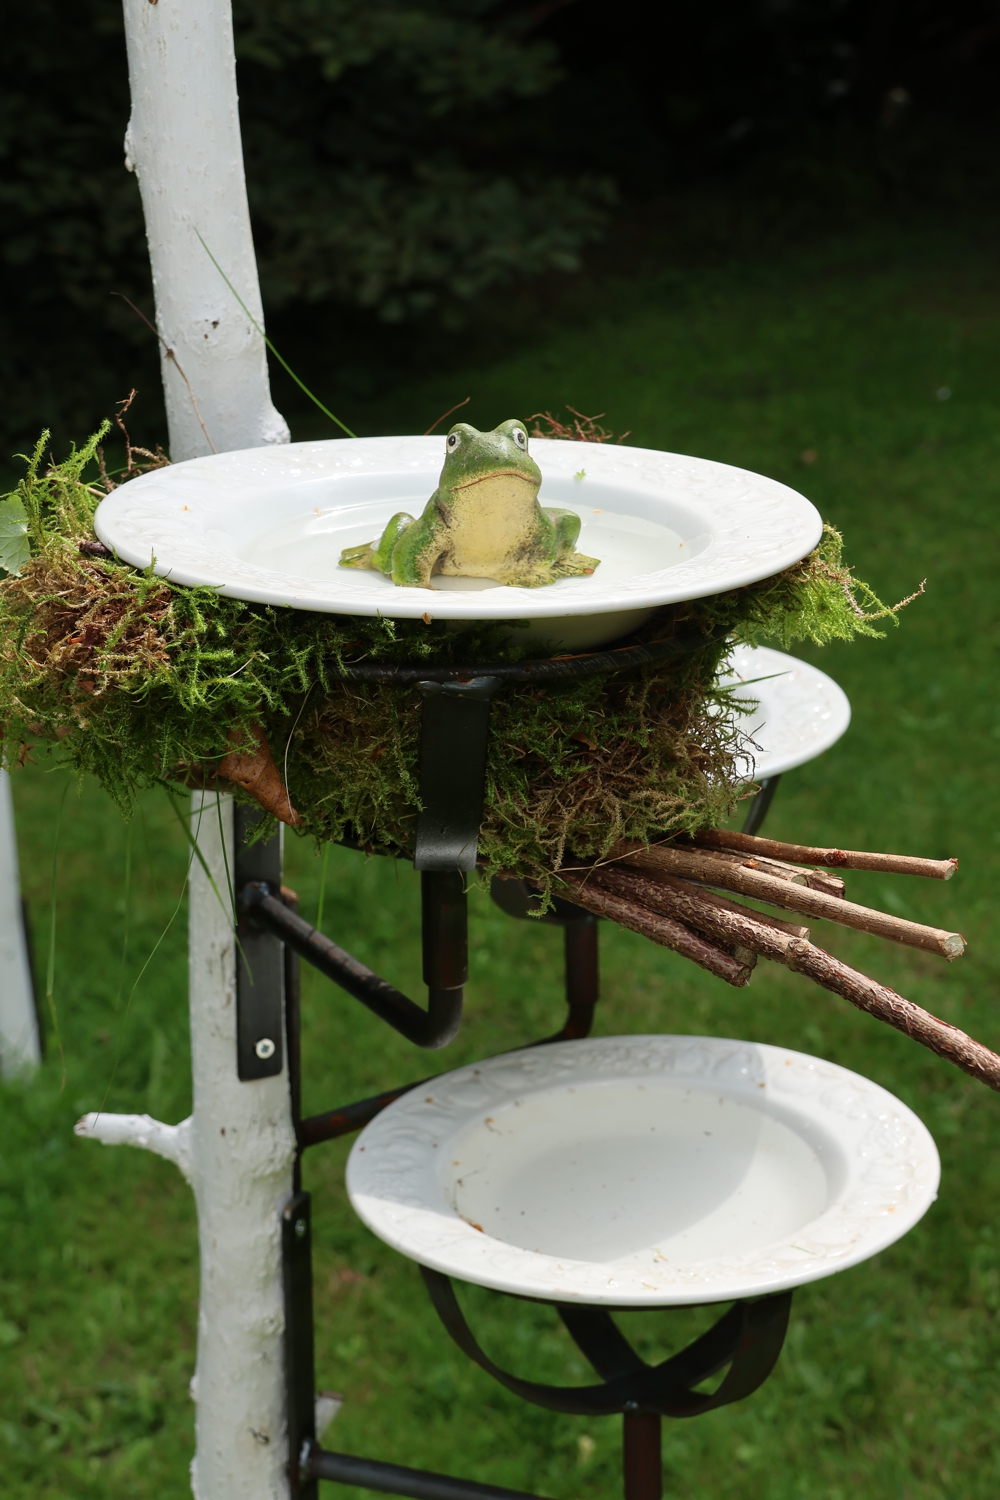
761, 804
748, 1338
453, 739
300, 1360
308, 1462
395, 1479
517, 899
261, 908
548, 669
454, 734
454, 730
260, 977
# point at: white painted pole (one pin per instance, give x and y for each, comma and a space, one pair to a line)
20, 1044
237, 1149
183, 142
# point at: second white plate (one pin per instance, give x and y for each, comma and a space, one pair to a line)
800, 710
644, 1171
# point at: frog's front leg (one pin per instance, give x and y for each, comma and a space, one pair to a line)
419, 548
378, 555
568, 563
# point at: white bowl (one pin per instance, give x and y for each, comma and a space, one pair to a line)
644, 1171
269, 524
800, 711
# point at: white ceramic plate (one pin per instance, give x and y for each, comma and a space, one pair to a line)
801, 711
268, 524
644, 1171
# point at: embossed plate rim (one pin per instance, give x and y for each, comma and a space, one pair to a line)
758, 526
798, 736
891, 1178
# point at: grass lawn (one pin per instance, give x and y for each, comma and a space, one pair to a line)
878, 356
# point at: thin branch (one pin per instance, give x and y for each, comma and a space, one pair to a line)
837, 859
282, 362
663, 930
447, 413
686, 904
708, 869
170, 355
170, 1141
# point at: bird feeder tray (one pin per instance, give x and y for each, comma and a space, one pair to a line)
644, 1171
269, 524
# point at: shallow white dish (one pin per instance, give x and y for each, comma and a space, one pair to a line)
268, 524
644, 1171
801, 712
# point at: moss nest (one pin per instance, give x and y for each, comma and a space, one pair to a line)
140, 682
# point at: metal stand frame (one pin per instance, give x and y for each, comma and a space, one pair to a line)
272, 939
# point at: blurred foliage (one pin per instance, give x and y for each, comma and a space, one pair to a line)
815, 103
407, 161
385, 153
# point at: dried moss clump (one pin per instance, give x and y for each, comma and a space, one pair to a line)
139, 681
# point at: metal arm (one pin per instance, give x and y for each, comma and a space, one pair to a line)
445, 962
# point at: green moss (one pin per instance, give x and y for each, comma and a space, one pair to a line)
140, 681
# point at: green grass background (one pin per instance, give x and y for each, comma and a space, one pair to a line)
889, 1383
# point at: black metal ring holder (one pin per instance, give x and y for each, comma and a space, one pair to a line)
453, 743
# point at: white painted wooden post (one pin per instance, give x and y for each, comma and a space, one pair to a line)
237, 1149
183, 142
20, 1044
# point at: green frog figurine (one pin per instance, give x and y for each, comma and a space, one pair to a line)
482, 521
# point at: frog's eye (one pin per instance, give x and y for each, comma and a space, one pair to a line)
452, 441
521, 438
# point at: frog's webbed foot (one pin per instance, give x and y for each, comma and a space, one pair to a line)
576, 565
378, 555
568, 563
358, 557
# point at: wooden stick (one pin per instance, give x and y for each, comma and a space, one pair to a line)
822, 880
793, 874
663, 930
703, 866
816, 964
878, 1000
840, 859
816, 880
722, 920
709, 898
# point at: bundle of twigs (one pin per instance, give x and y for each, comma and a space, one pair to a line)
670, 893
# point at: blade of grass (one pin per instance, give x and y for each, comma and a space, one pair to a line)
282, 362
128, 911
225, 856
50, 968
193, 842
322, 887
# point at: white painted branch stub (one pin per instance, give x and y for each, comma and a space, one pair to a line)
170, 1141
183, 142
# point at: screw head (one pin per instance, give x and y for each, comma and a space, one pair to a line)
264, 1048
300, 1229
